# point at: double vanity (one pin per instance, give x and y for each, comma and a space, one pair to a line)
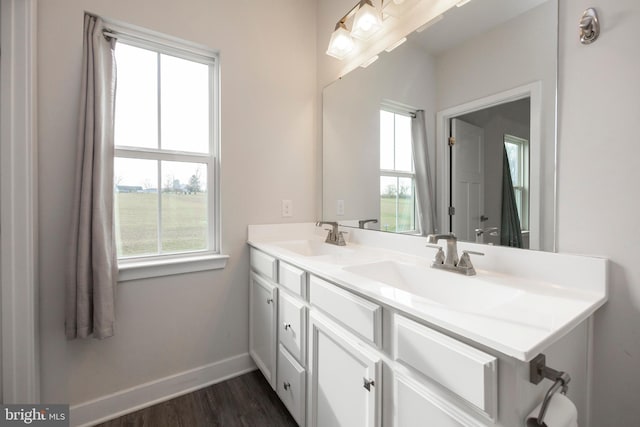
369, 334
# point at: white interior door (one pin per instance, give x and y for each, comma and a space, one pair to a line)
467, 178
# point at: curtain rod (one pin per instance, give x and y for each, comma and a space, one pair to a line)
109, 34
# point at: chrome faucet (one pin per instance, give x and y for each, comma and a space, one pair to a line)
334, 237
491, 231
450, 261
362, 222
452, 247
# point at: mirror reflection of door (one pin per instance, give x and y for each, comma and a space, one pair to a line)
477, 194
467, 178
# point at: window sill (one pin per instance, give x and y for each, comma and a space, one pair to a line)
168, 267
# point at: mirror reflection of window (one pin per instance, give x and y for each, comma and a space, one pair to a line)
397, 173
518, 155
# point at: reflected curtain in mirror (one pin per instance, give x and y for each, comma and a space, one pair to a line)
424, 184
93, 269
510, 231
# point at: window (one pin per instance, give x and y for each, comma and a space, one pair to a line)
518, 155
166, 151
397, 173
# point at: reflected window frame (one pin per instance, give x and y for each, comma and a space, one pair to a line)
523, 178
398, 174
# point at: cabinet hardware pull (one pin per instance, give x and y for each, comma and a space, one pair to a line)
286, 325
269, 300
368, 384
286, 385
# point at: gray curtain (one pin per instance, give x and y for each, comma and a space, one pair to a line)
92, 274
510, 232
424, 185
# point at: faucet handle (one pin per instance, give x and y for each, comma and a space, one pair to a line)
439, 257
473, 253
465, 262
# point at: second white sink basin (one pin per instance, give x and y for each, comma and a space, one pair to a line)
468, 293
311, 248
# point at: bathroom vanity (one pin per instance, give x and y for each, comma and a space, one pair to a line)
368, 334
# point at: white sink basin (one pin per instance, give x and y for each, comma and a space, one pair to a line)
312, 248
468, 293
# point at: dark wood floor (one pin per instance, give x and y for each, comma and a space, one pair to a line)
247, 400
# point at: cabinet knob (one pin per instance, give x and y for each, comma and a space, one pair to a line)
286, 325
368, 384
286, 385
269, 300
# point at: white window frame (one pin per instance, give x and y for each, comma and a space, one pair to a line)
139, 267
393, 173
523, 167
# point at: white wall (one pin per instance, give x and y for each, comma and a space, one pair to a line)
524, 48
171, 324
598, 201
351, 127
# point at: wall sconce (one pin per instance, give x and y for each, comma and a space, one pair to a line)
365, 20
341, 42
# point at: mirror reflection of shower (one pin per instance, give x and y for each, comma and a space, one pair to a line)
489, 175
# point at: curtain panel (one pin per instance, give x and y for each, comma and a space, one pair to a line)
424, 185
92, 271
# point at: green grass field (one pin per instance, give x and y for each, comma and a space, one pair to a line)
406, 214
184, 223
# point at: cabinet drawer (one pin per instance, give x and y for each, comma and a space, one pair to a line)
464, 370
291, 385
358, 314
293, 279
292, 325
264, 264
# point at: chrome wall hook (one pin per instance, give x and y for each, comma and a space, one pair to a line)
589, 26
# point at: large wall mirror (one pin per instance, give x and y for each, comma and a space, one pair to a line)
452, 131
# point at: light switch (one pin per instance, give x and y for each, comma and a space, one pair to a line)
340, 207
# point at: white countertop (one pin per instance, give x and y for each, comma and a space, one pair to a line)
527, 312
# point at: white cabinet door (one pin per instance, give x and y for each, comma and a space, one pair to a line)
263, 310
417, 406
345, 377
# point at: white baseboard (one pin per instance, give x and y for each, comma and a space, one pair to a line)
144, 395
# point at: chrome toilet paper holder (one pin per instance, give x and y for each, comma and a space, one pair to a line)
538, 370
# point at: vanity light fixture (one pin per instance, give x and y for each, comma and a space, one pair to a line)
396, 44
341, 42
364, 20
367, 21
396, 8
